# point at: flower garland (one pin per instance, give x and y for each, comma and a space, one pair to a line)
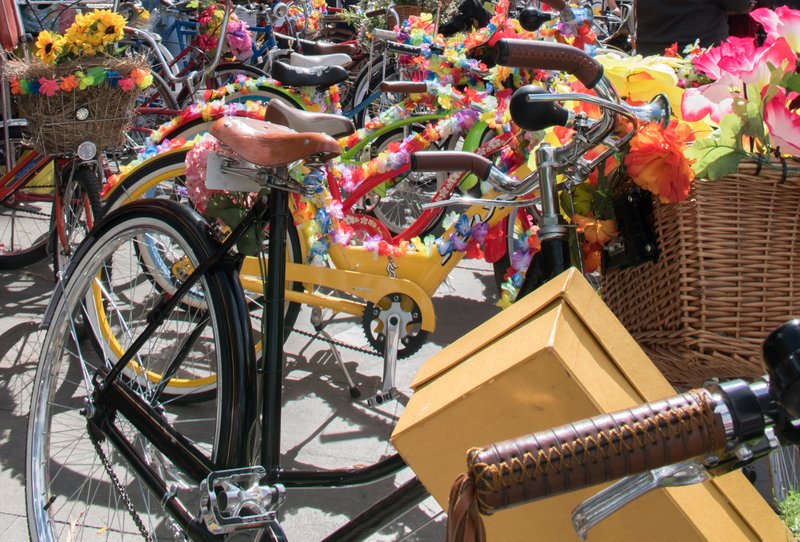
150, 151
138, 78
320, 220
325, 101
209, 111
350, 176
310, 25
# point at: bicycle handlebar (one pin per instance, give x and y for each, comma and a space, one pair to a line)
451, 161
597, 450
517, 53
719, 428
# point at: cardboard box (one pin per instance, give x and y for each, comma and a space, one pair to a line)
557, 356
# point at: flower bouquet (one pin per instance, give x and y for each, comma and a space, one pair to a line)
80, 87
238, 39
727, 270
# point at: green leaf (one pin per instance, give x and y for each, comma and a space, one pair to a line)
725, 164
754, 124
730, 131
791, 82
582, 199
604, 205
712, 159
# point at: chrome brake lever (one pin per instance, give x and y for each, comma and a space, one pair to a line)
598, 507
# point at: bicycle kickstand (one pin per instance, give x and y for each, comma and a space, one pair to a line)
319, 327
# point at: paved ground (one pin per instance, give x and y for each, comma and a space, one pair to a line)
322, 427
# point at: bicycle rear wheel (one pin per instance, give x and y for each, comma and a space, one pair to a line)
70, 494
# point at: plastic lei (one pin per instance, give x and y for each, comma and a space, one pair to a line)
326, 101
138, 78
209, 111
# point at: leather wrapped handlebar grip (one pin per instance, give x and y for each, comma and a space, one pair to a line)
404, 87
595, 450
540, 55
451, 161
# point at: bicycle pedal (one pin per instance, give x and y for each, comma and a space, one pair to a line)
383, 397
235, 500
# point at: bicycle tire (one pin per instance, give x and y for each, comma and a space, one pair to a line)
25, 217
79, 208
68, 491
161, 177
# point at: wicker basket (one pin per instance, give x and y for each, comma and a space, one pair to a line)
404, 12
105, 110
728, 274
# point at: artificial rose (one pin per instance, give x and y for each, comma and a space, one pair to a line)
784, 22
783, 124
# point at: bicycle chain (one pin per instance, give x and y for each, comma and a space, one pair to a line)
120, 489
337, 343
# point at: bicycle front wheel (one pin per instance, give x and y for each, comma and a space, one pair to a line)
78, 486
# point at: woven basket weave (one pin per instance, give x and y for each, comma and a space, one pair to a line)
727, 275
404, 12
54, 127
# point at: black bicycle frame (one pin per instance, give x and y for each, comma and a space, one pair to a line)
114, 396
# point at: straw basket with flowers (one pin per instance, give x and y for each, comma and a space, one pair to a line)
727, 273
80, 87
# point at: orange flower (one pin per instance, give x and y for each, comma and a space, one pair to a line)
592, 256
656, 161
15, 87
69, 83
596, 232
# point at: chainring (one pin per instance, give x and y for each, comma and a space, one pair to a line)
375, 318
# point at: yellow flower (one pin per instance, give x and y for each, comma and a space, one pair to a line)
49, 46
109, 25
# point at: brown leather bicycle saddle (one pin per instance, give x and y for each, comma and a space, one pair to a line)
320, 76
303, 121
271, 145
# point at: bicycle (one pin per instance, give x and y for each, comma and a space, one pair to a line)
134, 418
47, 202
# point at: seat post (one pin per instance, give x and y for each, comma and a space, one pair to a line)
272, 375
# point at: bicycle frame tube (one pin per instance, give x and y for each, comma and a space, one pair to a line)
27, 168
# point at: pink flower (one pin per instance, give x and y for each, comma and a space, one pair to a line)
48, 87
783, 124
714, 99
753, 69
733, 47
784, 22
239, 40
127, 84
